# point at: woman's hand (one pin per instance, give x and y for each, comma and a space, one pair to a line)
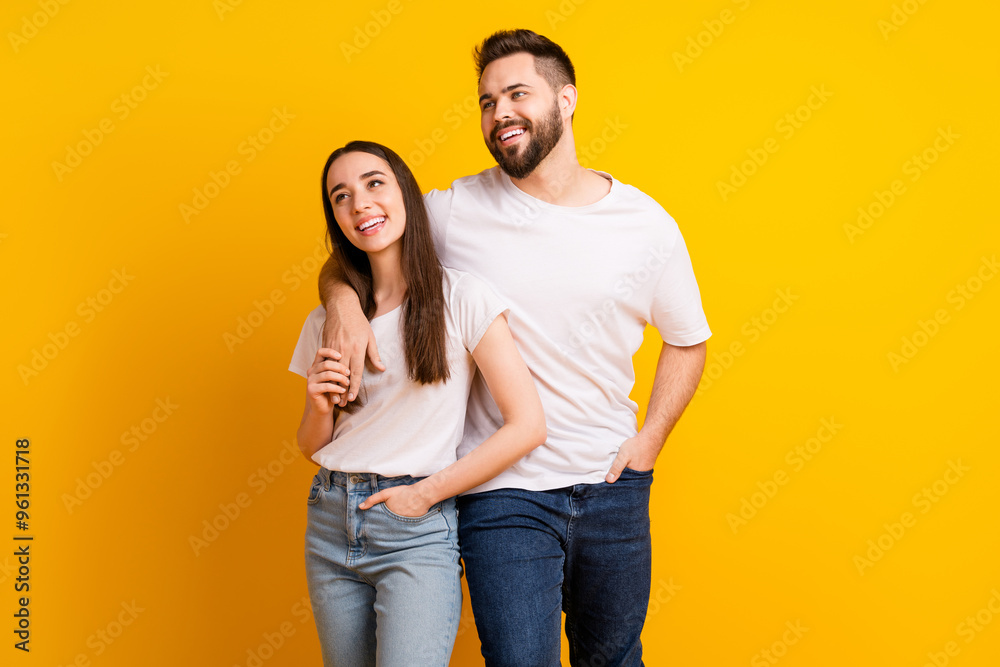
404, 500
326, 380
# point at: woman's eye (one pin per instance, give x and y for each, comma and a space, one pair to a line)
373, 182
338, 197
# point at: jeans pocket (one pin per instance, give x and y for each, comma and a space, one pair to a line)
316, 490
637, 473
435, 509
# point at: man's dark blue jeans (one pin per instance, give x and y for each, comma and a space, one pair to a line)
583, 549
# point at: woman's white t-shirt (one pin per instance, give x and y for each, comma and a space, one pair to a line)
404, 427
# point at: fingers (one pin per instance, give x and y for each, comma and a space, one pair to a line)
327, 352
357, 369
373, 353
373, 500
616, 468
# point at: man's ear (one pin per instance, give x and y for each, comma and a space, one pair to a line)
566, 99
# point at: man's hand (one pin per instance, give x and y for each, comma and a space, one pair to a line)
348, 330
635, 453
404, 500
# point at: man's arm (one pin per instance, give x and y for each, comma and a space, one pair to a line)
677, 374
346, 329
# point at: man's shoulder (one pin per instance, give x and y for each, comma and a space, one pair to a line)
633, 200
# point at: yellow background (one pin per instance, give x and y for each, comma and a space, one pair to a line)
719, 597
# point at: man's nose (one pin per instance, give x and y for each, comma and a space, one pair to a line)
503, 111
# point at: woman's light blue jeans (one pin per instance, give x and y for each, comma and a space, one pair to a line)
385, 589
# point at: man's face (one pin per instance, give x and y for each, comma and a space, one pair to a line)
520, 119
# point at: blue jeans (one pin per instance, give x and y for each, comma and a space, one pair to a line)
385, 589
584, 550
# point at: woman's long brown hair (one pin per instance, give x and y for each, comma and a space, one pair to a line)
423, 323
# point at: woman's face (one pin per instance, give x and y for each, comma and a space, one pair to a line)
367, 201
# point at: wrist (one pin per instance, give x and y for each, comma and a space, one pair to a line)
423, 492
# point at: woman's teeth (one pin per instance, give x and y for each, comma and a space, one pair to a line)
370, 223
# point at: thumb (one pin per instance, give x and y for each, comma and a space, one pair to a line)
616, 468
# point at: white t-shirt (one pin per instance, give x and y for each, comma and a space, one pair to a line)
404, 427
581, 282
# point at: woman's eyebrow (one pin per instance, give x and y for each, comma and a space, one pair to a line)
364, 175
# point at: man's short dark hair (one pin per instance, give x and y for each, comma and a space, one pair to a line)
551, 61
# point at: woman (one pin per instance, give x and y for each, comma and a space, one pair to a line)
381, 542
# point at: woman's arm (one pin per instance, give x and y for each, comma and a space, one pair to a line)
523, 429
326, 379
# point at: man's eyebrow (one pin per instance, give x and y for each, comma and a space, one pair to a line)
364, 175
505, 90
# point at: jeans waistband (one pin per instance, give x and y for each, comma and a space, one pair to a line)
360, 480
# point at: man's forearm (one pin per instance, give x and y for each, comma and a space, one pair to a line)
330, 279
678, 372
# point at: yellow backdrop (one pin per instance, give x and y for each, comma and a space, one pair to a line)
829, 497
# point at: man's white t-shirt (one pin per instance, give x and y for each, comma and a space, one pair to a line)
582, 283
404, 427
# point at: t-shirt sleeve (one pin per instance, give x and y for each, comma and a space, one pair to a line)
676, 309
475, 306
309, 342
438, 203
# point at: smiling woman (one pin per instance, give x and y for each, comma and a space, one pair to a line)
381, 537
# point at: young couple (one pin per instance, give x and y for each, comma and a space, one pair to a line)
494, 420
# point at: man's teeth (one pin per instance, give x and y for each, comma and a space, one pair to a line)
371, 223
507, 135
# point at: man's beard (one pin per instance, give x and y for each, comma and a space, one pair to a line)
543, 137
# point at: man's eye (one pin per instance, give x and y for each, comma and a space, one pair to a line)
518, 93
486, 105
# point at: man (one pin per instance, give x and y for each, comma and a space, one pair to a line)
584, 262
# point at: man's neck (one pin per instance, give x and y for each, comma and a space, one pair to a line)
560, 179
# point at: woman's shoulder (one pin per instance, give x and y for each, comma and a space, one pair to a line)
460, 285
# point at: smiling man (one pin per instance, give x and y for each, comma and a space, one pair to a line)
585, 262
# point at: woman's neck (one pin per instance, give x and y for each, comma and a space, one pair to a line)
387, 278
